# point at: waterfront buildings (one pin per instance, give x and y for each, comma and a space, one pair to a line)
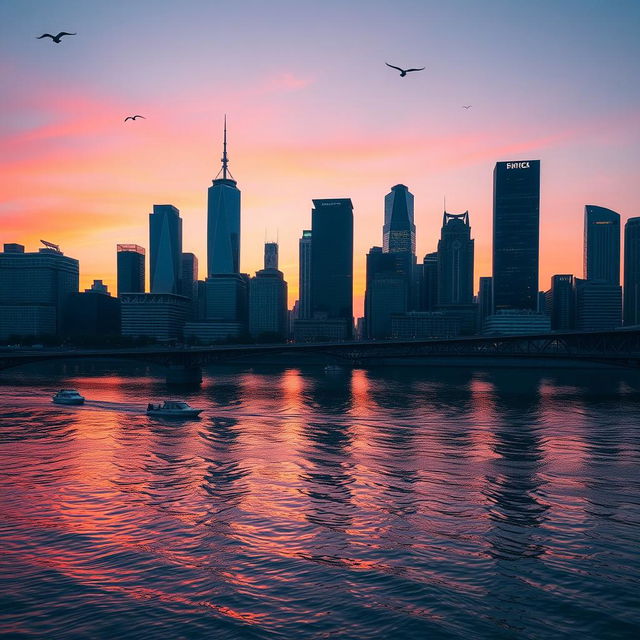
155, 315
601, 244
424, 325
598, 305
93, 313
130, 265
165, 255
304, 296
223, 220
35, 289
516, 221
512, 322
332, 262
632, 272
455, 260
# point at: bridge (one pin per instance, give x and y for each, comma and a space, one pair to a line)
618, 348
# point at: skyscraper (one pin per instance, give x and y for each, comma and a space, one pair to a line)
429, 294
189, 274
305, 276
485, 298
130, 268
632, 272
399, 231
270, 255
455, 260
165, 255
268, 299
223, 220
561, 302
601, 244
386, 293
399, 236
332, 261
516, 234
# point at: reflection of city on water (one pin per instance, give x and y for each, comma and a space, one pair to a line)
441, 502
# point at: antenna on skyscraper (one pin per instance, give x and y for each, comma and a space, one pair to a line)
225, 159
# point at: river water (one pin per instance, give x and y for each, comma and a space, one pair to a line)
382, 503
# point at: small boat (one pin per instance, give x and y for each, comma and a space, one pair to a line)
68, 396
172, 409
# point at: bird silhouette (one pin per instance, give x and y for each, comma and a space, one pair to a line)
134, 117
466, 106
403, 72
56, 39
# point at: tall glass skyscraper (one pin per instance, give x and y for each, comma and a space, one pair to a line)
223, 220
165, 255
631, 303
516, 234
601, 244
455, 260
399, 231
332, 260
305, 276
130, 268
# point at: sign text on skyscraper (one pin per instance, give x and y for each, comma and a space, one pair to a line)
518, 165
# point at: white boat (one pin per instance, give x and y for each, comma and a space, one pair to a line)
68, 396
172, 409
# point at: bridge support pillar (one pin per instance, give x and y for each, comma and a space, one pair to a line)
184, 374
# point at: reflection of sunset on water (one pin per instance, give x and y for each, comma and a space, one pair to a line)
332, 502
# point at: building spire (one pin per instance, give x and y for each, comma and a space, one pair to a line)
226, 174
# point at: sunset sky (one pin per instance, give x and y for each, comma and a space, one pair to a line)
313, 112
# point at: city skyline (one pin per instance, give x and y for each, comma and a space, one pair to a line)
74, 175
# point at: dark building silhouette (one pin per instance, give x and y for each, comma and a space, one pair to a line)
268, 299
223, 220
165, 254
270, 255
485, 297
93, 313
455, 260
516, 221
399, 231
304, 310
35, 289
399, 236
560, 302
332, 261
601, 244
598, 305
429, 283
632, 272
386, 293
189, 275
155, 315
131, 273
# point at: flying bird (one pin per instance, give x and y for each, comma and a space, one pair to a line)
134, 117
56, 39
403, 72
466, 106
